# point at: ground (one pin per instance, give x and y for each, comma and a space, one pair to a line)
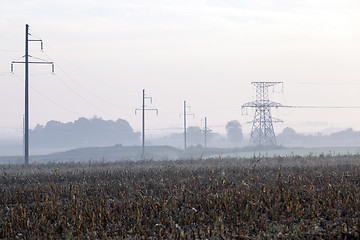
218, 198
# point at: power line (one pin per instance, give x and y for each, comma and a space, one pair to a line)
11, 25
5, 74
5, 50
83, 98
15, 128
60, 106
324, 83
86, 89
40, 60
22, 75
324, 107
310, 107
262, 133
47, 98
163, 129
76, 93
84, 72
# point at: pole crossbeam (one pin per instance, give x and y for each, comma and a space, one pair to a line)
34, 62
263, 104
26, 62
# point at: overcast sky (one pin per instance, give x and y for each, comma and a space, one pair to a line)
206, 52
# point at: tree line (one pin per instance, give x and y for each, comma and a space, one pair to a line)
95, 131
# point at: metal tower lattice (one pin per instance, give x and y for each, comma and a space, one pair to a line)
262, 133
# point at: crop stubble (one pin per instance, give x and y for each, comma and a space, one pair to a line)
231, 198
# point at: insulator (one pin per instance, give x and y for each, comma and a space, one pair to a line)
53, 68
42, 46
12, 67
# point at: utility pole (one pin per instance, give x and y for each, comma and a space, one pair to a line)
26, 62
23, 135
143, 109
26, 94
185, 125
206, 130
185, 114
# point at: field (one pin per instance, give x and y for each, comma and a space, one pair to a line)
218, 198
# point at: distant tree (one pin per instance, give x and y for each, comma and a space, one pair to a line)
289, 137
194, 135
84, 132
345, 134
289, 132
234, 131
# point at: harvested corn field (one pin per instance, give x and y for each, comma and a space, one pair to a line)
219, 198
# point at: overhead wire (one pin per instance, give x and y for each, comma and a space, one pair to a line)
163, 129
84, 99
5, 50
15, 128
325, 83
83, 87
110, 103
50, 100
22, 75
5, 74
38, 58
285, 103
12, 25
324, 107
98, 97
318, 107
68, 86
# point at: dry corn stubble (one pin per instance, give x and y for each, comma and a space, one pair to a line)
297, 197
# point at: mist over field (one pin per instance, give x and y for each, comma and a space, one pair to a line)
98, 139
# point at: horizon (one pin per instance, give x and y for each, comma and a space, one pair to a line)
325, 131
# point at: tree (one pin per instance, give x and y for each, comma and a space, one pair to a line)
194, 135
289, 132
234, 131
84, 133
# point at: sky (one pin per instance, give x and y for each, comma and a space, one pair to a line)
205, 52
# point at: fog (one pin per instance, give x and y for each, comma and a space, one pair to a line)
204, 52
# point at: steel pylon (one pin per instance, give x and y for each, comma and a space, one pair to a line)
262, 133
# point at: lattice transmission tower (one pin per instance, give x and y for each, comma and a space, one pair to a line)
262, 133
